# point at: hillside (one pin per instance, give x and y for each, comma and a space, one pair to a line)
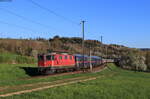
30, 47
129, 58
145, 49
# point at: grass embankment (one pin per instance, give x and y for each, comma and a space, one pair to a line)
18, 74
123, 85
7, 57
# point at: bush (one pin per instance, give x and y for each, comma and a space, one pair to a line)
133, 61
24, 59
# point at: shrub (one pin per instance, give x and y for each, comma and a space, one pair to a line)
133, 61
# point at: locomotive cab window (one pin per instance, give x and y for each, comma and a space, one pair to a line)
40, 57
48, 57
53, 57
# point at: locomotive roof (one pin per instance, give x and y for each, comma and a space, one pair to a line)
78, 55
53, 53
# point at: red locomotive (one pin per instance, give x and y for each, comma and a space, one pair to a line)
55, 62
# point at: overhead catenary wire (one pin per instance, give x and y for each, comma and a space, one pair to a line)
27, 19
53, 12
18, 26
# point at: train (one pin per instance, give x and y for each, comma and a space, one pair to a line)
58, 62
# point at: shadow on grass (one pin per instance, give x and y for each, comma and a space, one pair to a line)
31, 71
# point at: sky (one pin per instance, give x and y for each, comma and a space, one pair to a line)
123, 22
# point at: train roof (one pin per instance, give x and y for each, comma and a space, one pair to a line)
97, 57
80, 55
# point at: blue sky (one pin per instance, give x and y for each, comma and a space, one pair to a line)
124, 22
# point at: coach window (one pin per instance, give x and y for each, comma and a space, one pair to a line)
70, 57
60, 57
48, 57
66, 57
85, 58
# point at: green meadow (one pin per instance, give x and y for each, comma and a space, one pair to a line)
122, 84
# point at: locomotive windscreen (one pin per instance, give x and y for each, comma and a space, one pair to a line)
50, 57
40, 57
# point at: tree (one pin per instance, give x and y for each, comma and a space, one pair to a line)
56, 37
148, 60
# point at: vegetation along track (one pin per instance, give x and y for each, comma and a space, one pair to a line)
46, 85
97, 69
16, 90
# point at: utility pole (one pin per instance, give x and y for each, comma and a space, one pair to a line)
106, 54
101, 48
106, 50
49, 46
90, 61
82, 22
101, 39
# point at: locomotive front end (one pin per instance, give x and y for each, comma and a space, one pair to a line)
45, 62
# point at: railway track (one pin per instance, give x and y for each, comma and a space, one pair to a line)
96, 69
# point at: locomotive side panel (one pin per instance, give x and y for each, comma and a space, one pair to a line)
49, 63
64, 60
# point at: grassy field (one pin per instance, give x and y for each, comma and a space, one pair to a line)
123, 85
18, 74
7, 57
